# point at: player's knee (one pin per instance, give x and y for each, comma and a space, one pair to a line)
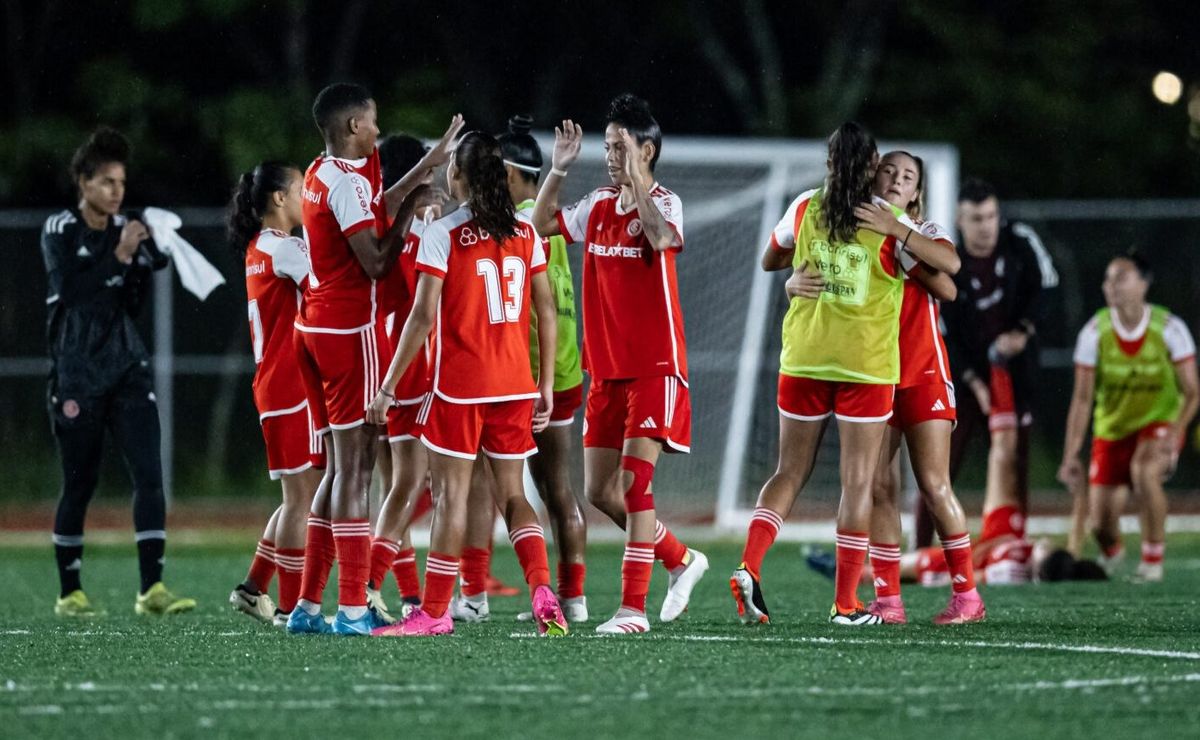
639, 474
934, 488
882, 490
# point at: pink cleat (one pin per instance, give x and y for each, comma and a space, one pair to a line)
418, 623
963, 608
889, 609
547, 613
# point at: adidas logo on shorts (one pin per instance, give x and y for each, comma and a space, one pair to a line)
938, 405
649, 423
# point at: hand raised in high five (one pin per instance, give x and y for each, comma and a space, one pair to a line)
568, 140
441, 151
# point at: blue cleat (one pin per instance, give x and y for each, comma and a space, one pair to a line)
822, 561
343, 625
301, 622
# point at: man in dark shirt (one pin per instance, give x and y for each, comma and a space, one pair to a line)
991, 335
98, 266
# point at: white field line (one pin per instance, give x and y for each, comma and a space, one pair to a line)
520, 692
1047, 646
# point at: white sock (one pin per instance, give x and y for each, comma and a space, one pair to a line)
309, 608
352, 612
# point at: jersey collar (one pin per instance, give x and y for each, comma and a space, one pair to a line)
621, 210
1134, 334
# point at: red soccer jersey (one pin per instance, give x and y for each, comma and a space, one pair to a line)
276, 266
400, 291
341, 198
481, 351
632, 323
923, 356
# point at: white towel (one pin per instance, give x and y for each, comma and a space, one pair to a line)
196, 273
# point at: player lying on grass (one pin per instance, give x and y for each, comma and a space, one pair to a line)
840, 358
923, 408
638, 403
1135, 375
346, 219
550, 467
481, 268
264, 212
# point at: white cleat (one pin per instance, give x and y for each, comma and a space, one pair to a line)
680, 585
1111, 564
259, 606
625, 622
575, 610
280, 619
472, 609
1149, 573
376, 604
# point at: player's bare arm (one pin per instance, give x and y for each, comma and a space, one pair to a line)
568, 141
940, 285
547, 329
435, 157
412, 340
659, 233
1189, 386
775, 258
1070, 472
936, 254
378, 255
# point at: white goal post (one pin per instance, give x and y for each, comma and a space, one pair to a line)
733, 193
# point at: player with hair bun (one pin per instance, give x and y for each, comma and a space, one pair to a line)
633, 346
263, 213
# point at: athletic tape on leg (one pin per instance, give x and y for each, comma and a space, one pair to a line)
638, 497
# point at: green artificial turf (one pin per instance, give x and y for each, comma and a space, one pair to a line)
1082, 660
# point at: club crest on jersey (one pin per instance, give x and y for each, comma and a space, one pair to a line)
634, 228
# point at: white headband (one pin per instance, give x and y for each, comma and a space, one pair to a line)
523, 167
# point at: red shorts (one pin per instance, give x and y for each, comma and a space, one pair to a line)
1005, 521
655, 407
1005, 414
501, 429
807, 399
566, 403
920, 403
406, 420
293, 444
348, 366
1111, 458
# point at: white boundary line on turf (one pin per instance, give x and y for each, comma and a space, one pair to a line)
1048, 646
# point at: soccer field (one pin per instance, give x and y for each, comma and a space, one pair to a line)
1078, 660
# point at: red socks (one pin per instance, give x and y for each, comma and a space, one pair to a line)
667, 547
885, 566
262, 568
1152, 552
319, 555
404, 568
291, 569
352, 539
383, 554
440, 572
476, 564
635, 575
530, 546
851, 555
957, 549
570, 579
764, 528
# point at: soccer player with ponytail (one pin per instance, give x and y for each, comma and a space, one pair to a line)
480, 269
264, 212
840, 358
633, 346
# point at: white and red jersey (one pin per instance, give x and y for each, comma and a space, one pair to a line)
341, 198
923, 357
399, 290
481, 352
632, 322
276, 268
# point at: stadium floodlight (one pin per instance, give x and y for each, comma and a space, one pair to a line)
1167, 87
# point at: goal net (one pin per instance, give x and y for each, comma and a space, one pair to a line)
733, 193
